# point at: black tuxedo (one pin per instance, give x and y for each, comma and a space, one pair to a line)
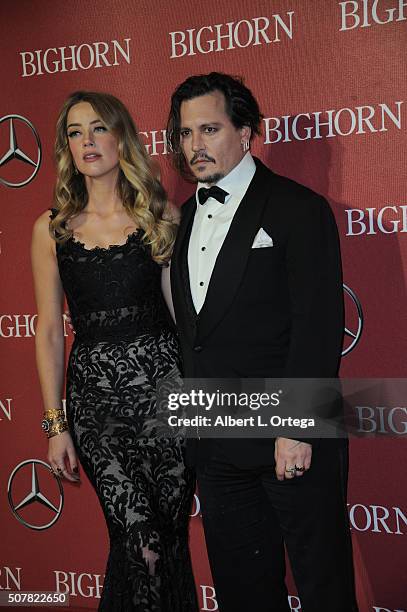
268, 312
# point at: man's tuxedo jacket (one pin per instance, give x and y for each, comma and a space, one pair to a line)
269, 312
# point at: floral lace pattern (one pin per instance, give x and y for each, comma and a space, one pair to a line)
124, 346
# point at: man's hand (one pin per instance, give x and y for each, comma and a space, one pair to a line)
293, 457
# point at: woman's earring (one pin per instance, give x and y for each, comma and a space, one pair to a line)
245, 145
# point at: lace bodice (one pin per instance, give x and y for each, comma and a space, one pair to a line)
112, 292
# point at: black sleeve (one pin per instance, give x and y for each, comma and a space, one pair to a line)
316, 296
315, 290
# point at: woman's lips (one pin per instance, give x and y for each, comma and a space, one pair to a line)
91, 157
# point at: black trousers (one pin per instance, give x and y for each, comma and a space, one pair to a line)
249, 515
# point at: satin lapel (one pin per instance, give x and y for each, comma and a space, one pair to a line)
181, 292
232, 259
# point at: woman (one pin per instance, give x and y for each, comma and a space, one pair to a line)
104, 245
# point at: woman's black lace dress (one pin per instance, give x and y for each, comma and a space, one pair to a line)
124, 345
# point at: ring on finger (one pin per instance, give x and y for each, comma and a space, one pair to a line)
299, 468
291, 470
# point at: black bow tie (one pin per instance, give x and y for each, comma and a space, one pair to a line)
213, 192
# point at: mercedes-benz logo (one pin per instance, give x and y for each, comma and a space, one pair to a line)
15, 151
35, 495
354, 321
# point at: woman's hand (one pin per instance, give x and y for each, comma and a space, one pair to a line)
62, 457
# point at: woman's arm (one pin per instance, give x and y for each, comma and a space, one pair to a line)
172, 213
166, 289
49, 339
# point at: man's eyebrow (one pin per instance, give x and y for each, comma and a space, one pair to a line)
211, 123
203, 125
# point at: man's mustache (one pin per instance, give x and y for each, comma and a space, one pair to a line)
198, 157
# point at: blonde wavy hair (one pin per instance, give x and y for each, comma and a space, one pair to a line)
140, 190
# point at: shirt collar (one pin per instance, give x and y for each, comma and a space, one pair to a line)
238, 179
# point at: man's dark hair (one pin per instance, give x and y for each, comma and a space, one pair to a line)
240, 104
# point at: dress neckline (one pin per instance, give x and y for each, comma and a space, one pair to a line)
111, 247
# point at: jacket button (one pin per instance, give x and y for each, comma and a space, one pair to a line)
198, 349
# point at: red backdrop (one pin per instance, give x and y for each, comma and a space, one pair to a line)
331, 81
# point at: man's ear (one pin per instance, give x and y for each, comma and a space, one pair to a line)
245, 133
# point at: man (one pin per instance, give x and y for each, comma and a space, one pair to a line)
274, 311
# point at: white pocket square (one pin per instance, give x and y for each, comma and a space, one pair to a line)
262, 239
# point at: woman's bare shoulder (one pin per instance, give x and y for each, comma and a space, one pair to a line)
41, 228
43, 220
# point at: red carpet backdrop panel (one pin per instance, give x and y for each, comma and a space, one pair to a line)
330, 78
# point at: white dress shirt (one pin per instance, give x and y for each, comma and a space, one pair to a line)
211, 224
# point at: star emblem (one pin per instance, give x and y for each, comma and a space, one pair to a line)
352, 332
35, 495
16, 152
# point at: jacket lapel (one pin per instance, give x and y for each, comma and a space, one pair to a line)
233, 256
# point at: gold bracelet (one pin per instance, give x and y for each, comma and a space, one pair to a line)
54, 413
57, 428
55, 425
